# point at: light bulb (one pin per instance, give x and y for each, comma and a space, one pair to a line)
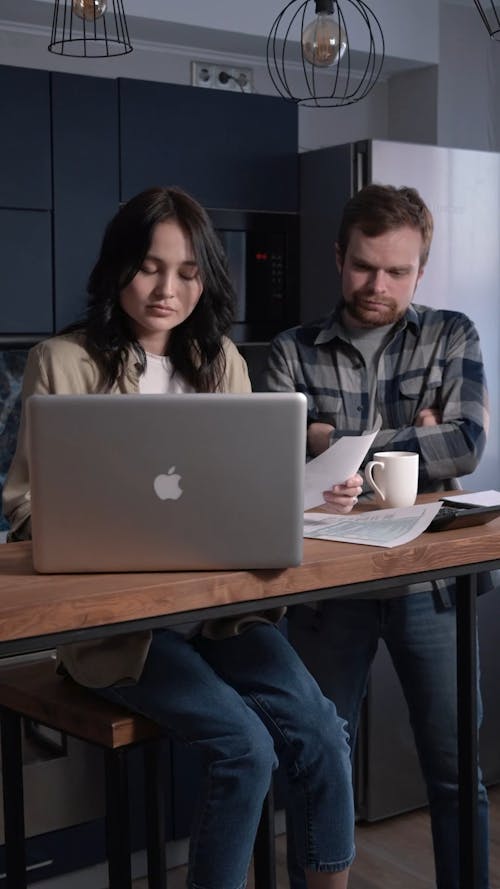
89, 9
323, 41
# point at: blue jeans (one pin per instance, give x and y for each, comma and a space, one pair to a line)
242, 702
338, 645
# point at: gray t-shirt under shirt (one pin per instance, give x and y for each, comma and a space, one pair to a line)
370, 342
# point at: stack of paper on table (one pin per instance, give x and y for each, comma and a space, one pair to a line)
378, 527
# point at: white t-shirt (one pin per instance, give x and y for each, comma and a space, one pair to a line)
160, 379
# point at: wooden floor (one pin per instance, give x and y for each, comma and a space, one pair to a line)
392, 854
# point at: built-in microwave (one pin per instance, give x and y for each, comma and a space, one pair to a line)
263, 256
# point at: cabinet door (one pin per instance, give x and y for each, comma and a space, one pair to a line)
26, 263
86, 182
230, 150
25, 170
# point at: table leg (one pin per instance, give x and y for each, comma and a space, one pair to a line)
264, 847
466, 614
13, 795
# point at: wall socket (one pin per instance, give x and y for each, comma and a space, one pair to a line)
222, 77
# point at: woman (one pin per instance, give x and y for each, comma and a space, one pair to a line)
158, 312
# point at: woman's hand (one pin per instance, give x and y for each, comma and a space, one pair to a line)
342, 498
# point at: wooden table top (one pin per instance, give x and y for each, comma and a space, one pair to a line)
32, 605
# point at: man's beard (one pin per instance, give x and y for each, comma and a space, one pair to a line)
386, 310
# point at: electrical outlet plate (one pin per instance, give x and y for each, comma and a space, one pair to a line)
231, 78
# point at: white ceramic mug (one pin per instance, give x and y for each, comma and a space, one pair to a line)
393, 475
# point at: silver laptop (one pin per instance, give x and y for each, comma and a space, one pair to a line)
166, 482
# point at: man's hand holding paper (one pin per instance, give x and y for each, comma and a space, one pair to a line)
341, 498
331, 479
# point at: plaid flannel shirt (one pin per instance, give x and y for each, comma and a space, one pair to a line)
432, 360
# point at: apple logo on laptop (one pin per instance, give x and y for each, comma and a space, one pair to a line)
167, 486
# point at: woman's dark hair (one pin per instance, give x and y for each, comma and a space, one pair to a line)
195, 346
377, 209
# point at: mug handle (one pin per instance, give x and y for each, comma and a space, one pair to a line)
369, 477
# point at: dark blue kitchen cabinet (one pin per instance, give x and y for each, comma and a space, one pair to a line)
86, 182
230, 150
26, 263
75, 146
25, 149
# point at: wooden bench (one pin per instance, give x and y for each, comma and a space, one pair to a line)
35, 691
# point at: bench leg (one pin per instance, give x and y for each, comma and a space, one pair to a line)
154, 793
264, 857
117, 819
13, 800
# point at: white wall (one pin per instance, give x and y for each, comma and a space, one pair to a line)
413, 106
469, 81
320, 127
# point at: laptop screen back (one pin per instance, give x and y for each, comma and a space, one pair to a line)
166, 482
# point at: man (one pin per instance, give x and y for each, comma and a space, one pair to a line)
417, 374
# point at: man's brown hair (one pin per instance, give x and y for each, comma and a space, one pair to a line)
377, 209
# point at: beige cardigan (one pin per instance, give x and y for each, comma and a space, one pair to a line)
62, 365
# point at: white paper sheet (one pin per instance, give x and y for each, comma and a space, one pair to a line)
481, 498
378, 527
334, 466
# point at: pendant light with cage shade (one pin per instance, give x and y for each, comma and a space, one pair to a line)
89, 29
489, 10
310, 57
